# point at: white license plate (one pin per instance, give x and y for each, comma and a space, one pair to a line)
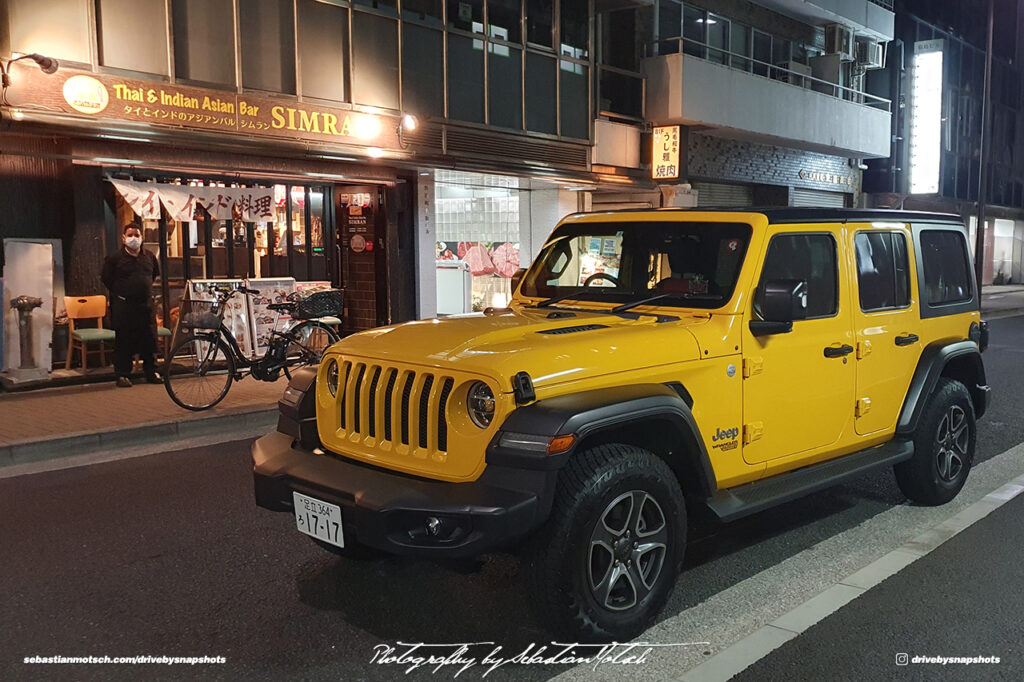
318, 519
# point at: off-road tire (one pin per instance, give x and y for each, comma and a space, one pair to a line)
943, 447
562, 556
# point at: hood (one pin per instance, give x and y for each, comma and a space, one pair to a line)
569, 347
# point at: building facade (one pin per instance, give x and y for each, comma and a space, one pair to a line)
342, 111
769, 97
416, 152
936, 70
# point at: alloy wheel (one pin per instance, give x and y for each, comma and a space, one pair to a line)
952, 438
627, 551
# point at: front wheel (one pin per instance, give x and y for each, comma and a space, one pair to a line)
603, 566
311, 340
943, 447
199, 372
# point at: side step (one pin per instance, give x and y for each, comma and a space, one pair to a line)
751, 498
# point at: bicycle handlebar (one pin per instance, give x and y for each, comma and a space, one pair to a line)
227, 291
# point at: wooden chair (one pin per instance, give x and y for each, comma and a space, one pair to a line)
87, 308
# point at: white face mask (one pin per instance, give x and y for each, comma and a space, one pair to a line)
133, 243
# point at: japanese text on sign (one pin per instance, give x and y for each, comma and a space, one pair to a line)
665, 153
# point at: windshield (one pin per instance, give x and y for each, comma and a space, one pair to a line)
694, 265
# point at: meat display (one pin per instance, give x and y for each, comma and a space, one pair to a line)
505, 257
478, 259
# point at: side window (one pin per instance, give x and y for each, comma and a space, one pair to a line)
882, 270
947, 272
808, 257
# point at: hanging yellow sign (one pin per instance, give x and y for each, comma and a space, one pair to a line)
665, 153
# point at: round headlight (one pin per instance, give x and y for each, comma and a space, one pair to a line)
332, 378
481, 404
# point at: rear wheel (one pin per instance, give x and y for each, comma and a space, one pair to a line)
943, 447
199, 372
604, 564
311, 340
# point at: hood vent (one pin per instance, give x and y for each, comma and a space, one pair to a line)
573, 330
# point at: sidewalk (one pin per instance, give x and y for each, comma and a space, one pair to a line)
73, 420
1003, 300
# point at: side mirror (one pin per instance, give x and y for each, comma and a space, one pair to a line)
782, 302
517, 277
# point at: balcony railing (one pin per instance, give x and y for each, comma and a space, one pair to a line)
740, 62
887, 4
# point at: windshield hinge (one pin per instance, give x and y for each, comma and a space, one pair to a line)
522, 388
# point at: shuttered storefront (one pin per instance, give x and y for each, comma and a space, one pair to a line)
713, 194
817, 197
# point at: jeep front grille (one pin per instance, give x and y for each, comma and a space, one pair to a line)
395, 409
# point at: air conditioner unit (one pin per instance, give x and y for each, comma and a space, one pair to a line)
839, 40
870, 54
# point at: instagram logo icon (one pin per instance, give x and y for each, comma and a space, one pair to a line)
901, 659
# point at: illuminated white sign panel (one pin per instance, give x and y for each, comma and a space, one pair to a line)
926, 117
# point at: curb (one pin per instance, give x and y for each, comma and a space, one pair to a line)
997, 313
133, 436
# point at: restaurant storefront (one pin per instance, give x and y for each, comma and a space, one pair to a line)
224, 186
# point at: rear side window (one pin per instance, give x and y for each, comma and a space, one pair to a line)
808, 257
947, 271
882, 270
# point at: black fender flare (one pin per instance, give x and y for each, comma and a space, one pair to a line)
934, 359
587, 413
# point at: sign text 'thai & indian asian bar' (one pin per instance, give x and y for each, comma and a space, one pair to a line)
127, 99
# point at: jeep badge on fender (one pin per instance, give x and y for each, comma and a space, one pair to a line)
648, 362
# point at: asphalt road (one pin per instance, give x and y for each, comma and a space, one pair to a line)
167, 555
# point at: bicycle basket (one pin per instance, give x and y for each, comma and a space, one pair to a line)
319, 304
200, 315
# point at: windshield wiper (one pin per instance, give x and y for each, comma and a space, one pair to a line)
555, 299
650, 299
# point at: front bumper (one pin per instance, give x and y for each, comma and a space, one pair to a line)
389, 511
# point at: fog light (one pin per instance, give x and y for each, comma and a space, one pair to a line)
433, 525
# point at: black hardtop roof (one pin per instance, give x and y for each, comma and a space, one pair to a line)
779, 215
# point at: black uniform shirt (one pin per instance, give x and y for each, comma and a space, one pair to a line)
129, 277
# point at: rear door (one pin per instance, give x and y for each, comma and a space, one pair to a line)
797, 397
886, 322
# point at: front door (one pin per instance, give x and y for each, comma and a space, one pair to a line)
886, 321
798, 390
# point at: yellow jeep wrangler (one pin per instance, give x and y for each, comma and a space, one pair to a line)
733, 360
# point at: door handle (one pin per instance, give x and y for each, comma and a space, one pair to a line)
833, 352
906, 339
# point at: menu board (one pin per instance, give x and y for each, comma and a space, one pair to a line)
272, 290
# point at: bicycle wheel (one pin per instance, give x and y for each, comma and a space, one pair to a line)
311, 340
199, 372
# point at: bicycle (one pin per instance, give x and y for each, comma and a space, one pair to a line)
203, 365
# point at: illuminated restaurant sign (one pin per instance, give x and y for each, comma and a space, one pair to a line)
107, 97
665, 153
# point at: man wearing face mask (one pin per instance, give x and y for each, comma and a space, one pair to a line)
129, 276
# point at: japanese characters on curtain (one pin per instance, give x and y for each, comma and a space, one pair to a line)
256, 204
